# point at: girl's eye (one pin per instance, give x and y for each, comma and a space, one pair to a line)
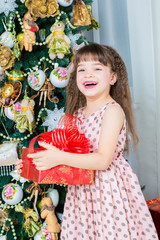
98, 69
81, 70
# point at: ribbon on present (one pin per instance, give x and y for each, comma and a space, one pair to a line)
67, 138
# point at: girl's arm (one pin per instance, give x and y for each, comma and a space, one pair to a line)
112, 124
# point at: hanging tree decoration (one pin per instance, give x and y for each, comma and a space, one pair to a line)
30, 27
7, 58
26, 136
42, 8
36, 9
36, 79
65, 3
94, 22
8, 156
12, 194
81, 14
52, 118
16, 176
7, 5
58, 42
34, 189
59, 77
25, 120
8, 38
10, 93
43, 233
12, 111
16, 75
73, 38
45, 91
8, 223
48, 213
31, 220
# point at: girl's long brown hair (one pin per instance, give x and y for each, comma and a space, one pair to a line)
120, 91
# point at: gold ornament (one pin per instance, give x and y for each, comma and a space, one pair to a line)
42, 8
81, 14
6, 57
16, 75
52, 6
7, 90
31, 223
10, 93
20, 37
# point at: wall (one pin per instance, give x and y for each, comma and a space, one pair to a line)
132, 28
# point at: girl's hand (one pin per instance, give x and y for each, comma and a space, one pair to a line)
19, 165
45, 159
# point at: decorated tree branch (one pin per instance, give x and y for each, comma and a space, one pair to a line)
37, 41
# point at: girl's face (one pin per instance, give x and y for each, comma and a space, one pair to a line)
94, 79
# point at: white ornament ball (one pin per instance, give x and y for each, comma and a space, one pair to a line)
38, 236
12, 194
54, 195
59, 77
9, 112
43, 234
36, 79
7, 39
13, 111
65, 3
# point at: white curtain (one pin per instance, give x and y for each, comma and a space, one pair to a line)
133, 28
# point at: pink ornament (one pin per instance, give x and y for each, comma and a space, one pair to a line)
9, 191
12, 194
17, 107
36, 79
59, 77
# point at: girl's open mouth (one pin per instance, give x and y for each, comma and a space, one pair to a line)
89, 84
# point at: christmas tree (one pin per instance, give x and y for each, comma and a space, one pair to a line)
37, 41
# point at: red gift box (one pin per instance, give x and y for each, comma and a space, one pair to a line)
66, 138
154, 207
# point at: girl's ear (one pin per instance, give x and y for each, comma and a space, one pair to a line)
114, 78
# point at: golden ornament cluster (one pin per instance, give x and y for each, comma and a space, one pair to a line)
7, 58
42, 8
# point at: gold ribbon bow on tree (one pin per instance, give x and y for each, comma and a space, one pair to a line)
31, 223
81, 14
